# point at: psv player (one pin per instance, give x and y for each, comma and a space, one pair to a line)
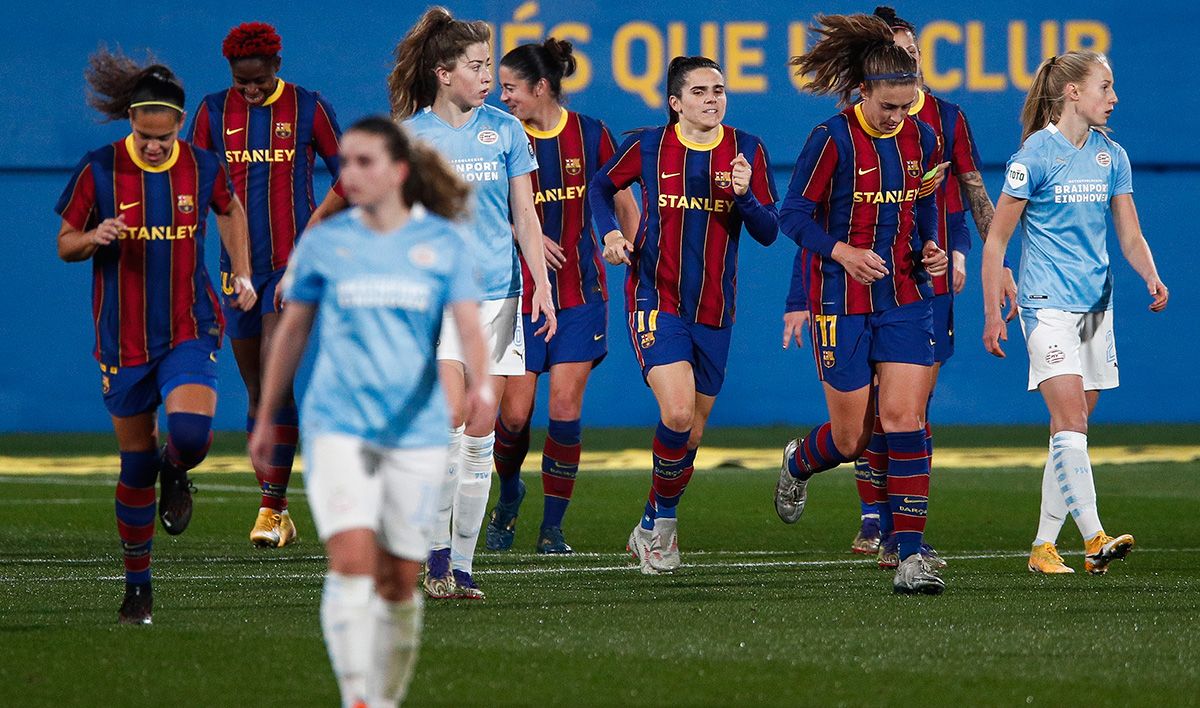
701, 181
269, 133
137, 209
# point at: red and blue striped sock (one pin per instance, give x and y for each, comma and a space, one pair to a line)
816, 453
866, 492
560, 464
877, 460
908, 488
509, 452
670, 458
135, 512
274, 479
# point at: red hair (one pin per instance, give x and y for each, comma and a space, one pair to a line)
251, 39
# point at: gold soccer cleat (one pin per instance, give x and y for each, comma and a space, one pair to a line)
265, 533
1102, 549
1045, 559
287, 530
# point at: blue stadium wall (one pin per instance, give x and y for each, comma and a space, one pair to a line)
978, 55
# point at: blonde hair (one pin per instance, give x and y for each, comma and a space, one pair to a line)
1046, 98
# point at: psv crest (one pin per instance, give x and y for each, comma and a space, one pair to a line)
573, 165
913, 168
724, 180
186, 203
283, 130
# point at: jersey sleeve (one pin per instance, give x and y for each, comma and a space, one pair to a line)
797, 297
326, 134
1122, 181
757, 205
608, 145
762, 180
222, 191
965, 158
622, 170
200, 132
812, 182
520, 158
303, 281
77, 205
1023, 175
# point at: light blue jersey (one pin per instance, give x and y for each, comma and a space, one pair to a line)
488, 151
1064, 259
380, 299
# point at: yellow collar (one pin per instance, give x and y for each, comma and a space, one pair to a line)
279, 85
132, 150
862, 121
916, 108
700, 146
553, 132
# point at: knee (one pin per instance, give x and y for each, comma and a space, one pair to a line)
189, 436
1075, 422
678, 416
896, 419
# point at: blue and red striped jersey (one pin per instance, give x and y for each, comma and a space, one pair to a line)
684, 260
858, 186
567, 157
958, 146
270, 151
150, 287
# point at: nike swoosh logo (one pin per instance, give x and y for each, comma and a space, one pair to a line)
913, 501
862, 172
233, 131
667, 175
597, 337
932, 343
130, 205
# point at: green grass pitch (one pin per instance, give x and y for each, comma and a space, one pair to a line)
760, 614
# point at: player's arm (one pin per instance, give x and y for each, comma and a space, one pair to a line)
795, 314
77, 245
754, 194
933, 258
325, 143
530, 239
235, 236
330, 205
1136, 249
976, 199
295, 326
628, 214
1007, 215
621, 171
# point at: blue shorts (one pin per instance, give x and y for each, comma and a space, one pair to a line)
660, 338
132, 390
582, 336
943, 327
248, 325
848, 346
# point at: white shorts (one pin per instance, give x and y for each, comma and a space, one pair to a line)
501, 321
352, 484
1064, 343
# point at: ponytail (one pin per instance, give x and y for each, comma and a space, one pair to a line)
854, 51
117, 84
1044, 103
431, 180
437, 40
552, 60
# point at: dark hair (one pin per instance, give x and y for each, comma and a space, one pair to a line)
431, 180
854, 50
677, 73
118, 84
1044, 103
436, 40
552, 60
888, 15
252, 40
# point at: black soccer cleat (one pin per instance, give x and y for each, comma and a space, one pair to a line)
137, 605
175, 498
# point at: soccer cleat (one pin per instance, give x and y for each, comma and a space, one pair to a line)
175, 498
915, 577
932, 558
867, 541
790, 492
889, 553
644, 545
502, 525
287, 529
465, 587
1045, 559
439, 582
137, 605
667, 559
266, 532
551, 542
1102, 549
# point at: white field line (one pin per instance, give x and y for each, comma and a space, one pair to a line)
579, 569
111, 482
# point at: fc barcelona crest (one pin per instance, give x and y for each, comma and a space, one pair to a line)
723, 179
186, 203
573, 165
647, 340
827, 359
283, 130
105, 384
913, 168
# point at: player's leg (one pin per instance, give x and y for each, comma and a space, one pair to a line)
870, 480
187, 381
137, 441
511, 448
439, 581
275, 478
560, 454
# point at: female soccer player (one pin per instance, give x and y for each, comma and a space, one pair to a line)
375, 419
267, 132
137, 208
861, 202
570, 148
1060, 187
442, 75
701, 181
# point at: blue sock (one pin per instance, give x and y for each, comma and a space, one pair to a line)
670, 457
560, 465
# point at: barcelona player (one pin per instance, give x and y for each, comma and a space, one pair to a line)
442, 75
375, 420
137, 209
861, 203
268, 132
1059, 190
701, 181
570, 148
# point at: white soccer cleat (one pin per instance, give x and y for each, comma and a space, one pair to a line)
914, 576
646, 550
667, 533
790, 493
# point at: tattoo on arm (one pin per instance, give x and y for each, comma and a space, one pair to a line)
978, 201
